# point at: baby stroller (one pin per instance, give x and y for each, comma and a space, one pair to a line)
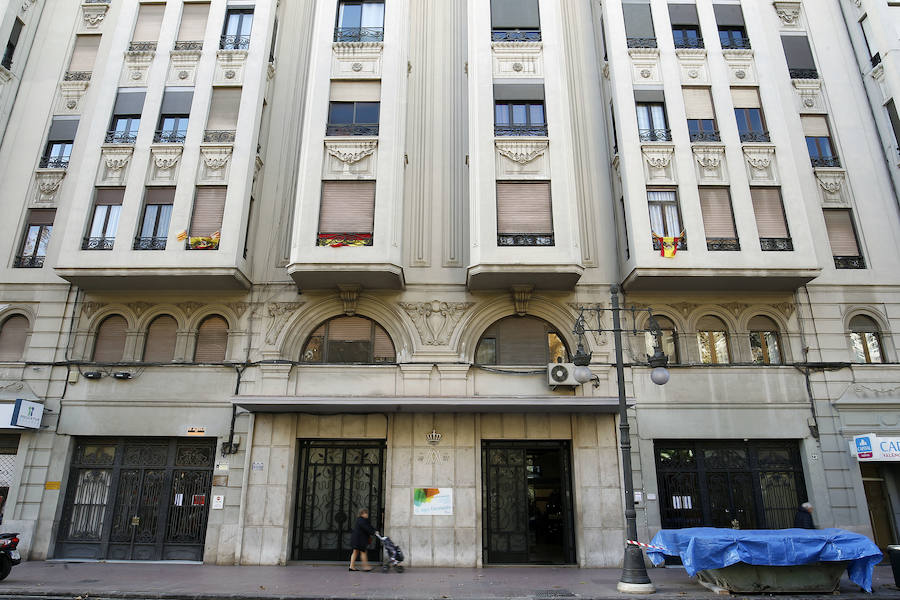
393, 555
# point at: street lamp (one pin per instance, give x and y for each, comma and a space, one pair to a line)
634, 578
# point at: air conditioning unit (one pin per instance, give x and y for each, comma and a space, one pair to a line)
561, 374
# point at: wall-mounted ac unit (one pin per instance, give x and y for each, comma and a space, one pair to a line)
561, 374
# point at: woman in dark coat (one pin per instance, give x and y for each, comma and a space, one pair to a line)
359, 539
803, 519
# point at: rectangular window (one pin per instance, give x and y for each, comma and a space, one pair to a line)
206, 218
360, 21
873, 55
12, 43
149, 22
173, 117
193, 26
685, 26
718, 219
37, 235
354, 108
59, 143
347, 213
652, 124
730, 21
625, 228
83, 56
105, 220
519, 110
895, 121
515, 20
155, 222
701, 117
639, 30
770, 222
818, 141
247, 230
665, 217
223, 114
799, 57
843, 240
524, 214
126, 119
236, 33
748, 114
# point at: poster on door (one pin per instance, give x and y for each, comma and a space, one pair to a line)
432, 501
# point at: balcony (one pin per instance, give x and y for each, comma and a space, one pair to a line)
520, 130
54, 162
98, 243
366, 129
359, 34
185, 46
655, 135
804, 73
142, 47
218, 136
693, 43
705, 136
149, 243
682, 243
77, 76
723, 244
639, 42
169, 137
210, 242
875, 60
849, 262
234, 42
120, 137
736, 44
28, 262
525, 239
825, 162
340, 240
515, 35
776, 244
754, 136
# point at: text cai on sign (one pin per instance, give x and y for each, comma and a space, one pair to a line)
871, 447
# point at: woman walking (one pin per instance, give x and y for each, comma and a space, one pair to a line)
359, 539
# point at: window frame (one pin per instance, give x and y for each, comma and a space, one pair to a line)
354, 127
175, 135
57, 160
865, 338
373, 324
237, 40
654, 133
682, 243
359, 33
730, 41
765, 347
682, 41
549, 329
35, 259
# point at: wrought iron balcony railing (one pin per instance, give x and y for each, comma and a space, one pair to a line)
849, 262
338, 240
189, 45
352, 129
120, 137
705, 136
776, 244
723, 244
98, 243
219, 136
77, 76
525, 239
515, 35
150, 243
657, 244
825, 161
689, 43
28, 262
639, 42
754, 136
733, 44
875, 60
359, 34
655, 135
520, 130
804, 73
142, 47
54, 162
169, 137
6, 62
234, 42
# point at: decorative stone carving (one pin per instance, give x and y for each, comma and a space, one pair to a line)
5, 75
136, 66
350, 158
279, 312
521, 294
114, 164
92, 16
694, 70
522, 158
518, 59
435, 320
183, 67
832, 184
685, 308
735, 308
349, 298
239, 308
785, 308
659, 163
760, 163
189, 308
164, 164
215, 161
139, 308
789, 13
877, 73
47, 182
230, 60
27, 4
809, 95
89, 308
741, 66
645, 65
356, 60
709, 163
70, 95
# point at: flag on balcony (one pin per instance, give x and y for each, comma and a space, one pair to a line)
668, 246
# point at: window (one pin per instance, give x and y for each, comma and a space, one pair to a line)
665, 219
730, 21
59, 143
146, 30
639, 30
701, 117
818, 141
360, 21
770, 222
667, 340
236, 34
160, 344
11, 44
109, 347
13, 334
865, 339
718, 219
799, 57
873, 55
515, 21
349, 340
521, 341
685, 26
895, 120
347, 213
155, 222
651, 117
519, 110
764, 346
524, 214
712, 337
126, 119
206, 218
223, 114
353, 118
37, 237
842, 237
173, 116
83, 56
247, 230
192, 29
212, 340
107, 207
748, 114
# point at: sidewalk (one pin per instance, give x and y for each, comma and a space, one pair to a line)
199, 582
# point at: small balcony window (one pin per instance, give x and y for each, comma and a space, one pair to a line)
843, 240
360, 21
12, 43
687, 37
748, 115
685, 26
652, 124
353, 118
733, 38
155, 223
236, 33
665, 218
730, 22
524, 214
172, 129
124, 129
515, 21
56, 156
639, 31
818, 141
519, 118
798, 54
764, 346
105, 220
701, 117
37, 237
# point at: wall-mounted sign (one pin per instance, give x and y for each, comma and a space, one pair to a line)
432, 501
27, 414
869, 446
256, 466
218, 502
51, 485
221, 465
196, 430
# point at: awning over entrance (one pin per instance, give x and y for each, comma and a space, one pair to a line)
439, 404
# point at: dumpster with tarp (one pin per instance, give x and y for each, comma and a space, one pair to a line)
770, 560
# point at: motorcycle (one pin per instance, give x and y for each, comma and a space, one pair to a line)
9, 553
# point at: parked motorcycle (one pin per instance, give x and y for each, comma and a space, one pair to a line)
9, 553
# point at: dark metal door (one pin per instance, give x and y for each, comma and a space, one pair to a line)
337, 479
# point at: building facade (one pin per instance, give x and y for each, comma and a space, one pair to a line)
270, 263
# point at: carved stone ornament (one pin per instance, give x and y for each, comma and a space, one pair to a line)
27, 4
785, 308
735, 308
685, 308
279, 312
435, 320
89, 308
352, 152
349, 298
216, 159
708, 162
239, 308
810, 94
139, 308
760, 163
521, 294
659, 166
48, 182
93, 14
117, 163
521, 152
189, 308
788, 12
166, 161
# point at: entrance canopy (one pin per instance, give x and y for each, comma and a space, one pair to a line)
439, 404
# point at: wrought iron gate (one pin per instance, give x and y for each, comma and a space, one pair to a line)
751, 485
337, 479
137, 499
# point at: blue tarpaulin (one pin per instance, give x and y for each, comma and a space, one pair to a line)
703, 548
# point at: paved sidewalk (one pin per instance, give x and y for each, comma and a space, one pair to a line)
96, 581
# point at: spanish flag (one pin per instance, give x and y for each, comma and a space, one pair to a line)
668, 246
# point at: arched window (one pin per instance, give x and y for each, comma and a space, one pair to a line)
764, 344
865, 338
521, 341
212, 339
667, 340
712, 337
160, 344
110, 344
12, 338
349, 340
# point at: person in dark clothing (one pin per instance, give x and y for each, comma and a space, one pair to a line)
359, 540
803, 519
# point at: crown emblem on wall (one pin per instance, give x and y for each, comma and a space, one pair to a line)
433, 438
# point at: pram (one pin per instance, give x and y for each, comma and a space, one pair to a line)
393, 555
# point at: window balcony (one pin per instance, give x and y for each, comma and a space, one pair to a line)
525, 239
77, 76
150, 243
352, 129
849, 262
825, 162
736, 44
682, 244
776, 244
54, 162
234, 42
218, 136
28, 262
655, 135
202, 243
520, 130
120, 137
638, 42
515, 35
705, 136
339, 240
169, 137
142, 47
754, 136
804, 73
188, 45
98, 243
359, 34
723, 244
697, 43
